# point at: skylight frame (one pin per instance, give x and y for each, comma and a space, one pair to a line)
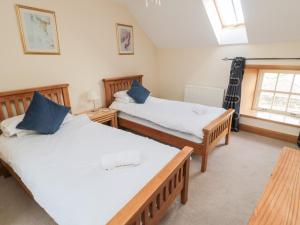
221, 18
227, 35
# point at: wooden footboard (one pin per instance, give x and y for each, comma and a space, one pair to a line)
214, 132
151, 203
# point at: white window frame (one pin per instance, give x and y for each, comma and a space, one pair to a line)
221, 19
259, 90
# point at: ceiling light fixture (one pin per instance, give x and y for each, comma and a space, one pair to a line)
156, 2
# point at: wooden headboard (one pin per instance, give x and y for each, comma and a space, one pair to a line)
113, 85
13, 103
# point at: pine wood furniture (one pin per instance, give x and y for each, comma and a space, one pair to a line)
150, 204
280, 202
104, 115
213, 132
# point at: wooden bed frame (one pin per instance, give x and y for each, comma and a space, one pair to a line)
150, 204
213, 132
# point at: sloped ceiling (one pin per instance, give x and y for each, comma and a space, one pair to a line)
184, 23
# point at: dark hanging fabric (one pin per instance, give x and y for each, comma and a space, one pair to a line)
298, 142
233, 95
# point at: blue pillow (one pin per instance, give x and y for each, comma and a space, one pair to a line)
43, 115
138, 92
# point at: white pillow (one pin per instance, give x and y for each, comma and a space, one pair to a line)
9, 125
123, 95
22, 133
122, 100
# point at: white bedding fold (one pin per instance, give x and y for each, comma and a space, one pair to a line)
110, 161
180, 116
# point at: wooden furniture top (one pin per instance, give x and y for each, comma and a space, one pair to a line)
280, 202
103, 115
103, 112
113, 85
13, 103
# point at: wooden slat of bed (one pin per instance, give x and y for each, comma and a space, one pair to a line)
12, 102
113, 85
17, 106
8, 108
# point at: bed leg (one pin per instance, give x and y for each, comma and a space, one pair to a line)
204, 162
4, 172
227, 139
229, 131
185, 190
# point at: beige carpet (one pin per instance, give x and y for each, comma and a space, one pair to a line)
225, 195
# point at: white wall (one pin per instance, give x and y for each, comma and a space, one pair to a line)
89, 53
88, 43
178, 67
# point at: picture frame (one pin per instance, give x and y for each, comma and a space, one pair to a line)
125, 39
38, 30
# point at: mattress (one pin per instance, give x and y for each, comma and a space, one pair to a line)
64, 173
185, 117
150, 124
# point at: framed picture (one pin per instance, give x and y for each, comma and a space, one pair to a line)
125, 39
38, 30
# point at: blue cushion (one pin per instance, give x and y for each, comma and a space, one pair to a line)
138, 92
43, 115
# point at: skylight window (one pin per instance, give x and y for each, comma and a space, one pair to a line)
227, 20
230, 12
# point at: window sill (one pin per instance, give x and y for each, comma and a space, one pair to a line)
273, 117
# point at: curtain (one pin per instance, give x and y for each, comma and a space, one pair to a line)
233, 95
298, 142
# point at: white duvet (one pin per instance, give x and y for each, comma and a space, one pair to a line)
185, 117
64, 173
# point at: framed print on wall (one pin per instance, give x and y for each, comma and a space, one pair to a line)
38, 30
125, 39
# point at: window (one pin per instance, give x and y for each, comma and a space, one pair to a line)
279, 92
230, 12
227, 20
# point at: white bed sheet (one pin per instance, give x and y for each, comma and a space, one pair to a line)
150, 124
185, 117
64, 174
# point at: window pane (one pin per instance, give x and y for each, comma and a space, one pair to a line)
269, 81
296, 86
294, 104
238, 11
226, 11
280, 101
265, 100
284, 82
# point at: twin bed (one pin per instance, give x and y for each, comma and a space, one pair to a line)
207, 125
62, 172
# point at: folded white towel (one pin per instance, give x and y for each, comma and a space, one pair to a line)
200, 111
127, 158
